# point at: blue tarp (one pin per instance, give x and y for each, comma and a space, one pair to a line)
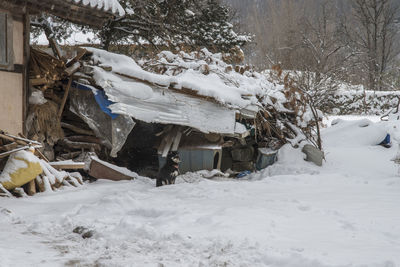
100, 97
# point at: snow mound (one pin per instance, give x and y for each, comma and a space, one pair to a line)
355, 133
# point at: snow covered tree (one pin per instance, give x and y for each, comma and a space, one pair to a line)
174, 23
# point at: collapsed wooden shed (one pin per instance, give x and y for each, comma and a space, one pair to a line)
215, 115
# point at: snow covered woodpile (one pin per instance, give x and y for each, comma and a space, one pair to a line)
23, 173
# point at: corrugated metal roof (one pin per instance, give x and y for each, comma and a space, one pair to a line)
112, 6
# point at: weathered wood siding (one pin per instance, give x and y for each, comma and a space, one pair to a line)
12, 96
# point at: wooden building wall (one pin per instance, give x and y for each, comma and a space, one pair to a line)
13, 75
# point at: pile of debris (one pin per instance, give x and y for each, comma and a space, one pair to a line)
255, 111
218, 116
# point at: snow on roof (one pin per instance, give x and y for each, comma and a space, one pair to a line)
184, 89
112, 6
209, 79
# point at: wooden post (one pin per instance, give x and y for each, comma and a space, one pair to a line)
64, 98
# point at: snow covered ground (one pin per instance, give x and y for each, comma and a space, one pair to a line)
291, 214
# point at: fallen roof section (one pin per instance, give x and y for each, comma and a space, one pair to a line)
202, 91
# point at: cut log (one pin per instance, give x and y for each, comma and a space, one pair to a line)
38, 81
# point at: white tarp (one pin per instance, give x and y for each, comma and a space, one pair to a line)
166, 107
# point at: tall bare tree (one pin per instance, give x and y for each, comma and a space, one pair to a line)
372, 29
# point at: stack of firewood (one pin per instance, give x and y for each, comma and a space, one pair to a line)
46, 70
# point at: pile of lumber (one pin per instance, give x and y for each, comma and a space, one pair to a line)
45, 69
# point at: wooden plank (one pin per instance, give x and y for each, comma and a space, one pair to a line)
169, 140
161, 146
68, 166
101, 170
54, 46
64, 98
177, 140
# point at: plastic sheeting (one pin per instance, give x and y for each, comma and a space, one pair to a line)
100, 98
113, 131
